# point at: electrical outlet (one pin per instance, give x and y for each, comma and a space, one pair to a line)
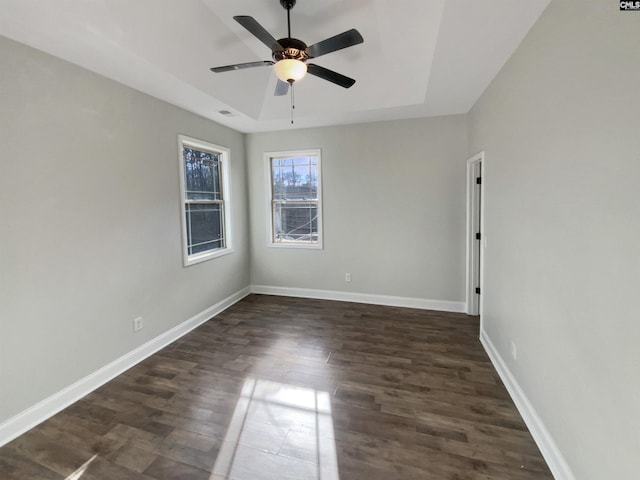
137, 324
347, 277
514, 352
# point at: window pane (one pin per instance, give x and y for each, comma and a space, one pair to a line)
277, 181
295, 222
202, 175
205, 227
295, 178
302, 160
311, 181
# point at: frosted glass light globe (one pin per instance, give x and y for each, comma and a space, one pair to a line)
290, 70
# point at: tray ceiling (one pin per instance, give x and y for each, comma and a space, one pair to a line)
419, 58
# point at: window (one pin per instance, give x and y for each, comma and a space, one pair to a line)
295, 198
204, 187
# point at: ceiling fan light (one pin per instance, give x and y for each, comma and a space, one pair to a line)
290, 70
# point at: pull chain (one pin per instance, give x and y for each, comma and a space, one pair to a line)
293, 105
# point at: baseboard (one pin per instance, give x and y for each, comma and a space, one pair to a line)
550, 451
391, 301
48, 407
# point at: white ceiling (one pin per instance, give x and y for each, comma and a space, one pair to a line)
419, 57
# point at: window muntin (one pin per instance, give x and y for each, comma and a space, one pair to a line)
295, 199
204, 189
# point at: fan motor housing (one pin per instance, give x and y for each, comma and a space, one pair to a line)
292, 49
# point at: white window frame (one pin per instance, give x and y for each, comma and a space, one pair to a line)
268, 156
224, 163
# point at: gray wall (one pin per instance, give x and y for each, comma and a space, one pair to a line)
393, 209
560, 129
90, 223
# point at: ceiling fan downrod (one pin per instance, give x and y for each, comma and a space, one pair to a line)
288, 5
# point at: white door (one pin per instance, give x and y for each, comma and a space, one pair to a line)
474, 234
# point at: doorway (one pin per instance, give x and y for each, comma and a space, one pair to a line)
475, 233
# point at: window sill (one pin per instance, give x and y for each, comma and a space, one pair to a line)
203, 257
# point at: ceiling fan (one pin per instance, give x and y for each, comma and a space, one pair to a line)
290, 55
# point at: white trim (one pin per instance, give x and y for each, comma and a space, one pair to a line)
475, 167
550, 451
32, 416
312, 152
388, 300
225, 169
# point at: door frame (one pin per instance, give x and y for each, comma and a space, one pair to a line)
475, 167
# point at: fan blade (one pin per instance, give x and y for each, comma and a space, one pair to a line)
340, 41
259, 32
229, 68
281, 88
330, 75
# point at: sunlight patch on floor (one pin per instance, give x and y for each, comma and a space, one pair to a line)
279, 431
80, 471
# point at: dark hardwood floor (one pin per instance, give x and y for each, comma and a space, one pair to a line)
290, 388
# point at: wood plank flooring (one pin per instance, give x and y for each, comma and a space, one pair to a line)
290, 388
